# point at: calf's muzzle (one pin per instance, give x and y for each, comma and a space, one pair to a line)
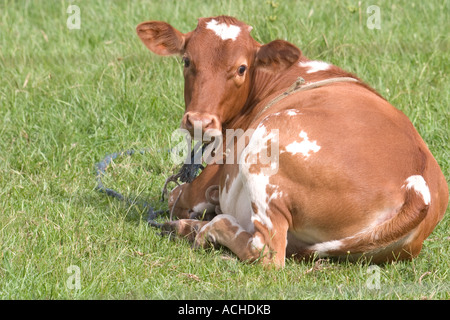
207, 124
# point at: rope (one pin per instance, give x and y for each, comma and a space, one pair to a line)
188, 172
300, 85
100, 169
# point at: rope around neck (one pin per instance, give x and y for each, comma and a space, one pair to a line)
300, 85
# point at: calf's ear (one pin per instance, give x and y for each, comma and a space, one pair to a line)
277, 56
161, 38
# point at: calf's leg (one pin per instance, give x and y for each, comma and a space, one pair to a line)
265, 245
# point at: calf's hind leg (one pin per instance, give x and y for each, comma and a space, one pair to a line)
264, 245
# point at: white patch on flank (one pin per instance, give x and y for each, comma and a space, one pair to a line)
420, 187
304, 147
314, 66
256, 152
258, 185
238, 192
223, 30
235, 201
258, 141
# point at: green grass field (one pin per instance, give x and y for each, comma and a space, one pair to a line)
68, 97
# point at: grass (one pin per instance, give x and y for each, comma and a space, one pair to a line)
68, 97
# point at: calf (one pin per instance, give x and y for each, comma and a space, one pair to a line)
348, 175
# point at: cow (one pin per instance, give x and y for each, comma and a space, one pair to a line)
352, 179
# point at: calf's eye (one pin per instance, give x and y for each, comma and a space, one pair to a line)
186, 62
241, 70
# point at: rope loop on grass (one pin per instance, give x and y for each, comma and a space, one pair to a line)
188, 172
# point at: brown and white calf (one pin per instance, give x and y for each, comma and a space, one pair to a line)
352, 176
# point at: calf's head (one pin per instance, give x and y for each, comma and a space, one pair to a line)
220, 59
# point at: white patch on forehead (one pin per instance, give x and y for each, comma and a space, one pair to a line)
419, 185
223, 30
314, 66
304, 147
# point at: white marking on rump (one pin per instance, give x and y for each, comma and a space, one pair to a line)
314, 66
304, 147
223, 30
419, 185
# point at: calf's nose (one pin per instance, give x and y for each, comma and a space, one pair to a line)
208, 124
